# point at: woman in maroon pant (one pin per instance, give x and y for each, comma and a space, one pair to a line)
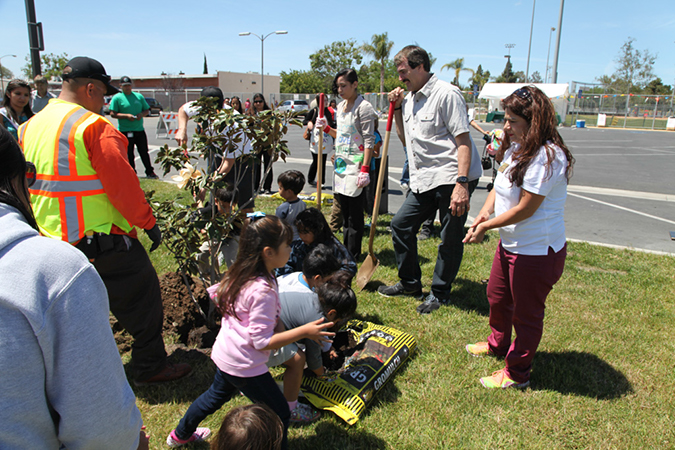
528, 201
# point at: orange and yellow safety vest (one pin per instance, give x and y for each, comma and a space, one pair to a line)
68, 198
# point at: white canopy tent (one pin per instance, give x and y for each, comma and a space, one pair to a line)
496, 92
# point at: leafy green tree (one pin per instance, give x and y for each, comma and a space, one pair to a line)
206, 66
634, 69
656, 87
222, 132
6, 73
458, 66
331, 59
479, 78
379, 48
52, 65
536, 78
301, 82
369, 77
508, 76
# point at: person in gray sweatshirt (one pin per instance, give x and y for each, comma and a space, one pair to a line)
62, 382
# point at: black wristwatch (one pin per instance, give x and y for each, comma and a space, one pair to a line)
462, 179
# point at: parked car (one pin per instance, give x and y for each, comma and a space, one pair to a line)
300, 106
155, 106
106, 105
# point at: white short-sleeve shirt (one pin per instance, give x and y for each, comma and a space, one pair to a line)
243, 147
546, 227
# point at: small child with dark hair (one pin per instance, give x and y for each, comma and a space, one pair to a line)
291, 183
250, 427
227, 251
300, 304
314, 230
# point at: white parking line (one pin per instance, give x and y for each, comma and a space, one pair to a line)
622, 208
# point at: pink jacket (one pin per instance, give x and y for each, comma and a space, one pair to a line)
239, 346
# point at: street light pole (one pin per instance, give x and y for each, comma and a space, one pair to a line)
554, 74
548, 53
262, 54
529, 48
2, 80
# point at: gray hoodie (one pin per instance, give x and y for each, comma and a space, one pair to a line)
62, 383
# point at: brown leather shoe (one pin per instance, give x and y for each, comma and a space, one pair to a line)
170, 372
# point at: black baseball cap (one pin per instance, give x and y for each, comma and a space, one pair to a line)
125, 80
212, 91
84, 67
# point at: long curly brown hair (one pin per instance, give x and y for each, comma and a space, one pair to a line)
268, 231
536, 108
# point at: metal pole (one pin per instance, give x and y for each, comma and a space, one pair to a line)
548, 53
625, 116
33, 38
557, 44
262, 66
529, 48
656, 105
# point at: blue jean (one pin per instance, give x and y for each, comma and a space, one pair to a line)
259, 389
405, 173
406, 223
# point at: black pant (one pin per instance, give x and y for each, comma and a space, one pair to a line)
372, 187
267, 183
136, 302
406, 223
352, 216
140, 139
311, 175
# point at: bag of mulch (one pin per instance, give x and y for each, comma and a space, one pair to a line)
369, 355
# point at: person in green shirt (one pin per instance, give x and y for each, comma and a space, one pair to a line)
129, 108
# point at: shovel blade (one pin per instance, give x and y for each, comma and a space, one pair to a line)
366, 271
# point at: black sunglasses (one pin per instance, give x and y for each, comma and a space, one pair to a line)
257, 101
31, 173
523, 93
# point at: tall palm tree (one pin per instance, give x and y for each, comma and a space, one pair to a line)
380, 47
457, 65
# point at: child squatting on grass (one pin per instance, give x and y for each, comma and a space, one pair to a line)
306, 297
291, 183
248, 299
314, 230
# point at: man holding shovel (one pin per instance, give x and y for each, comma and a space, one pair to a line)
444, 167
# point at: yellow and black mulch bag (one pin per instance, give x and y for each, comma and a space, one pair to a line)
380, 352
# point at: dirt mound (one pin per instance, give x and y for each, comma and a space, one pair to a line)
182, 316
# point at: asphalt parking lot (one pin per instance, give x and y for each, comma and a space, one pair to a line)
622, 192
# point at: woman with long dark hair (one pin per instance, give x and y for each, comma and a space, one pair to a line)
354, 142
16, 106
259, 105
52, 366
235, 103
528, 201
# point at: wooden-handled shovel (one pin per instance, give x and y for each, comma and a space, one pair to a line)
370, 264
319, 156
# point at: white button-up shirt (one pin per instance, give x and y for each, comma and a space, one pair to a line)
432, 118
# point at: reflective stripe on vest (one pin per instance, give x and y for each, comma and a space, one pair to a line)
68, 195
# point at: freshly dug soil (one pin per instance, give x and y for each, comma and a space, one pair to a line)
182, 317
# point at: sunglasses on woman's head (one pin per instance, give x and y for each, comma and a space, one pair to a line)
31, 173
523, 93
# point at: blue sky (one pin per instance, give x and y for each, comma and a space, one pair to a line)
147, 37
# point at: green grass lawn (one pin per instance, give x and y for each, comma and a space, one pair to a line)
604, 375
